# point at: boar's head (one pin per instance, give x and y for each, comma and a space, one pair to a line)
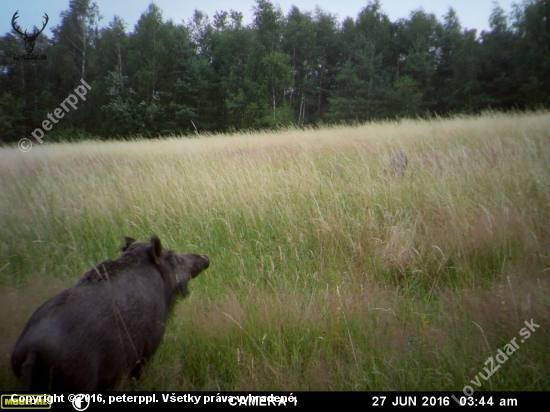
177, 269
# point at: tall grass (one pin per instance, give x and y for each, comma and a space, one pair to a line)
326, 274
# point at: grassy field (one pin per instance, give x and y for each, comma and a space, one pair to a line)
326, 273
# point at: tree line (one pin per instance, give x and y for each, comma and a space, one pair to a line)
304, 68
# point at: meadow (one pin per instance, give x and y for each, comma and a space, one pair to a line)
326, 273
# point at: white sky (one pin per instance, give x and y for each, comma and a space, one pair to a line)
472, 13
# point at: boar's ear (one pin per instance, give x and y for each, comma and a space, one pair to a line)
128, 241
155, 251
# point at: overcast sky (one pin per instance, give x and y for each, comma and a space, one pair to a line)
473, 14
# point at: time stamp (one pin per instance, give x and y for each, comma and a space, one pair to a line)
413, 400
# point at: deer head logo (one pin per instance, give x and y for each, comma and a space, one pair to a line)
29, 40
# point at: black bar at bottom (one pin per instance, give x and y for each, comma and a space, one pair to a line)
176, 400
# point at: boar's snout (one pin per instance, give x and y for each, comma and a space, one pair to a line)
201, 263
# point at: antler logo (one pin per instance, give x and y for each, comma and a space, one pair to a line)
29, 40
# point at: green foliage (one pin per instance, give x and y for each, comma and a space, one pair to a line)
305, 68
532, 25
121, 111
11, 118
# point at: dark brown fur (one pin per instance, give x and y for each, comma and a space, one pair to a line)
95, 334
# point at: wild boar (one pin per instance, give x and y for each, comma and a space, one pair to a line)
398, 164
97, 333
